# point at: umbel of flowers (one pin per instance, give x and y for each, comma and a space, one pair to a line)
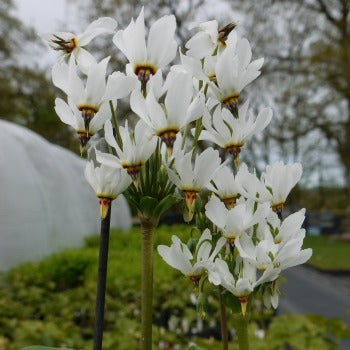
164, 158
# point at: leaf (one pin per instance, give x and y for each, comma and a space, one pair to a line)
165, 204
231, 301
148, 206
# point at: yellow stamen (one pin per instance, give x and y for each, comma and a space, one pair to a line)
105, 203
244, 302
168, 136
231, 100
229, 202
190, 198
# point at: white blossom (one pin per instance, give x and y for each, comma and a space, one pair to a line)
73, 44
179, 256
146, 58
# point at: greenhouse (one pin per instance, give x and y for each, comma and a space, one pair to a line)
46, 203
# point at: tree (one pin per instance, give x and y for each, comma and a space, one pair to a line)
307, 46
26, 93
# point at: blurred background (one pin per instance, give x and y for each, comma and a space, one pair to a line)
305, 79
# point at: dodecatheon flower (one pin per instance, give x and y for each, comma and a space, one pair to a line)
234, 72
73, 44
280, 178
178, 110
192, 178
209, 38
70, 115
245, 282
231, 133
289, 228
194, 266
161, 47
233, 222
274, 186
135, 151
267, 253
93, 97
225, 186
107, 183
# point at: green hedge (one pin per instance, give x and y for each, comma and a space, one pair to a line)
51, 303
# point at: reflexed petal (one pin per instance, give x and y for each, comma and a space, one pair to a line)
160, 40
178, 97
60, 76
119, 86
64, 112
109, 135
244, 54
97, 27
84, 59
108, 159
216, 211
96, 82
200, 45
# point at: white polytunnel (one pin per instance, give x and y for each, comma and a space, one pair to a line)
45, 202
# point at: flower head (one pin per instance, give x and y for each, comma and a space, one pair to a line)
209, 38
225, 186
160, 49
246, 280
233, 72
231, 133
135, 151
73, 44
179, 256
91, 100
191, 178
233, 222
107, 183
179, 109
274, 185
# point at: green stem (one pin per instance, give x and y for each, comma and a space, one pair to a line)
223, 322
116, 127
147, 231
241, 325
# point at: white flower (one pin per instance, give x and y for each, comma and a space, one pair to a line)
280, 178
92, 98
192, 178
274, 185
73, 44
135, 152
70, 115
179, 256
107, 183
233, 222
267, 253
225, 186
233, 72
245, 282
209, 38
290, 227
178, 110
231, 133
160, 49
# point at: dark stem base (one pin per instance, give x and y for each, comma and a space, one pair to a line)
101, 281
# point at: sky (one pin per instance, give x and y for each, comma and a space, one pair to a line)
47, 16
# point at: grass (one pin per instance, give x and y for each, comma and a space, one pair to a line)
328, 254
51, 303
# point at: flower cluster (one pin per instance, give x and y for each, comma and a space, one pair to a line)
245, 243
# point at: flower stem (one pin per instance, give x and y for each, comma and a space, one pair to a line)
101, 281
147, 231
241, 325
223, 322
